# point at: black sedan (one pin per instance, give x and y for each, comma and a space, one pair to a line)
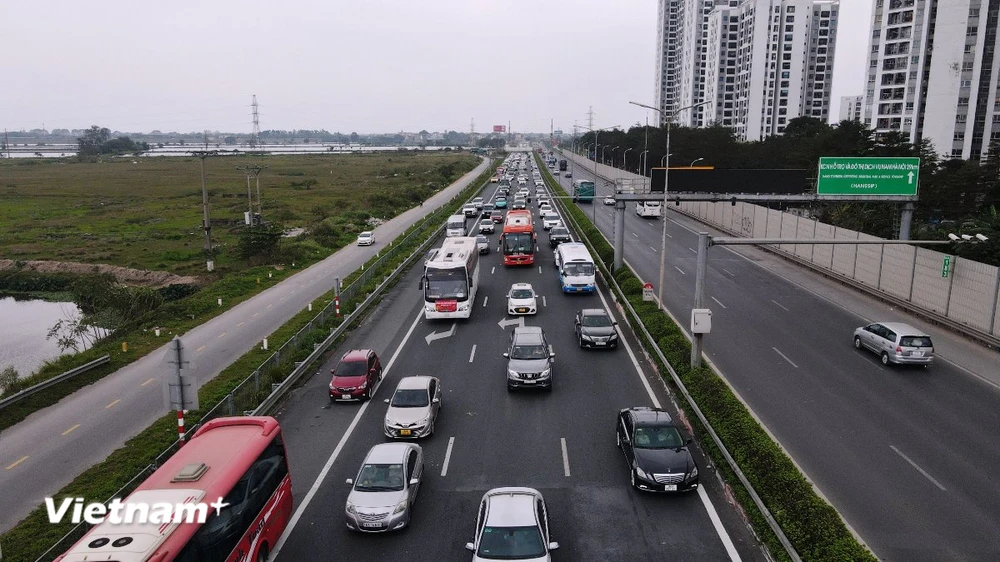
657, 454
594, 328
558, 235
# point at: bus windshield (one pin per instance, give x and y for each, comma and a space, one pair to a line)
518, 243
446, 284
578, 268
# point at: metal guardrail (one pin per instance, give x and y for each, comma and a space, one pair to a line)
53, 381
619, 297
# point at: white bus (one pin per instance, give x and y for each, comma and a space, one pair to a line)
456, 226
577, 272
451, 279
648, 209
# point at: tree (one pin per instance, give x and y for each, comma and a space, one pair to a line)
92, 140
261, 241
8, 379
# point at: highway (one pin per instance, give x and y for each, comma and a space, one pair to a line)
486, 437
907, 455
48, 449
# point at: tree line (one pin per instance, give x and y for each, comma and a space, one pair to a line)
97, 141
956, 195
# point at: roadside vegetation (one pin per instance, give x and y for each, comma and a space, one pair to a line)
30, 538
812, 525
93, 213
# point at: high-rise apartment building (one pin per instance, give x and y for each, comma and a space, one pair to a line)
932, 73
666, 59
756, 64
851, 108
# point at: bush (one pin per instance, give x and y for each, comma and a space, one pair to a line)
177, 291
632, 287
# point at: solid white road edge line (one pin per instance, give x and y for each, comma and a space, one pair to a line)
340, 446
705, 500
562, 441
447, 456
779, 304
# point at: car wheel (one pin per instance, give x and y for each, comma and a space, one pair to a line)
857, 342
262, 553
510, 388
885, 358
633, 479
580, 341
332, 400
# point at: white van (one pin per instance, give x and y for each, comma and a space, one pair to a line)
456, 226
577, 272
648, 209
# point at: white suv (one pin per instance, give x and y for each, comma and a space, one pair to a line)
513, 524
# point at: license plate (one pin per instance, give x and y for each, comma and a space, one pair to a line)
404, 432
345, 396
522, 310
599, 343
372, 525
578, 289
670, 487
528, 381
918, 353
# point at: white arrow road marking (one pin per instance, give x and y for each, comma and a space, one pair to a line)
519, 321
437, 336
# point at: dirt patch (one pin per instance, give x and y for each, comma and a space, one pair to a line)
124, 275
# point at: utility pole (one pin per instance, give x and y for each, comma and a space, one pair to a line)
206, 222
6, 142
253, 218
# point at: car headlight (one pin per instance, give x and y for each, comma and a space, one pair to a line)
586, 337
364, 385
545, 373
332, 387
400, 508
511, 373
350, 508
694, 472
613, 336
641, 473
390, 422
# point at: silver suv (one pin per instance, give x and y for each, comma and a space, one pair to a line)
529, 359
895, 342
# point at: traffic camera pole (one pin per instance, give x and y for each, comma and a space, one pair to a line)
619, 234
704, 241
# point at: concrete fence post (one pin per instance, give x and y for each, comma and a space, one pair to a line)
913, 276
854, 271
812, 247
996, 297
881, 258
833, 250
951, 283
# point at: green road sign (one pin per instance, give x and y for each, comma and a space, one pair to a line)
868, 176
946, 266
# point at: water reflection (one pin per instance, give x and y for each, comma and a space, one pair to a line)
23, 327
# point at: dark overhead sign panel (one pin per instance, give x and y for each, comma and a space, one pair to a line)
711, 180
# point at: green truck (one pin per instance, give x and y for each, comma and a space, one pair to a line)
583, 191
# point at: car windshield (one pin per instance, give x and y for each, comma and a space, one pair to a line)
578, 269
518, 243
482, 239
446, 284
511, 543
529, 352
559, 232
351, 368
409, 398
380, 478
596, 320
521, 294
666, 437
552, 217
915, 341
365, 235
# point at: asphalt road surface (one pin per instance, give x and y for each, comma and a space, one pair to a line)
909, 456
486, 437
48, 449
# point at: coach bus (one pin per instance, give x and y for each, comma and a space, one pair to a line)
518, 239
451, 279
240, 461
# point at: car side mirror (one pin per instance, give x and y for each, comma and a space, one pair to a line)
414, 481
436, 401
386, 400
553, 545
470, 546
507, 355
420, 284
350, 481
552, 355
614, 322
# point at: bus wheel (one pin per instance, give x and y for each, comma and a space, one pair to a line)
262, 553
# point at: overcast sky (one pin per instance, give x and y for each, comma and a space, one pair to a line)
361, 65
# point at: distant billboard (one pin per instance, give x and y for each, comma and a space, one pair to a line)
499, 128
711, 180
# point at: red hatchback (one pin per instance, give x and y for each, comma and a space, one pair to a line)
355, 376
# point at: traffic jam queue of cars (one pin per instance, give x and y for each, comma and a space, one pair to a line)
513, 521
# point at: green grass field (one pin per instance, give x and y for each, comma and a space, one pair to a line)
146, 213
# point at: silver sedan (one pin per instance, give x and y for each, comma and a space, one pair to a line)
383, 493
413, 408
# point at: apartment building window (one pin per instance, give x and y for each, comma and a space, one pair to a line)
961, 117
822, 41
971, 31
963, 101
973, 12
959, 137
781, 120
882, 124
786, 66
788, 37
967, 66
790, 10
824, 14
789, 19
785, 74
783, 111
966, 84
786, 56
789, 28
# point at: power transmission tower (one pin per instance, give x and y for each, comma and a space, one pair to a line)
590, 118
255, 133
472, 132
253, 219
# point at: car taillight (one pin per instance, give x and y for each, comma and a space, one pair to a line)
899, 349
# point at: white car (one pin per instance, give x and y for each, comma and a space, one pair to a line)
609, 200
545, 210
539, 183
513, 524
521, 299
366, 238
413, 408
487, 226
550, 221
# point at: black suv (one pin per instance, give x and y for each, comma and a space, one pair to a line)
558, 235
594, 328
657, 454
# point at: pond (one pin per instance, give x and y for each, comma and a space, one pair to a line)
24, 325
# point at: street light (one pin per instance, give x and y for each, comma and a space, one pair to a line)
596, 133
664, 158
663, 242
642, 164
603, 148
695, 161
623, 156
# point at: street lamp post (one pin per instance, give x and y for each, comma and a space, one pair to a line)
643, 161
603, 148
596, 133
624, 162
666, 173
693, 162
664, 158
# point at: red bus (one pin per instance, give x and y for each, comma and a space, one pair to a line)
518, 238
240, 459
